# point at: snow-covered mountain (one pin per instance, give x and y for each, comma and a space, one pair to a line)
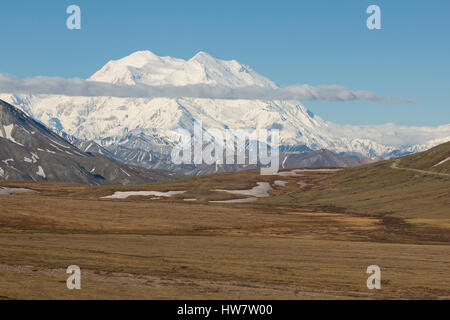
139, 130
144, 67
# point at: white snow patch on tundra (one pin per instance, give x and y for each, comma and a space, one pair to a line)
126, 194
261, 190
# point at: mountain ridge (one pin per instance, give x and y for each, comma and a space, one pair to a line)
145, 67
142, 127
29, 151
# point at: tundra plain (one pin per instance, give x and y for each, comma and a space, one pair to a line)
312, 238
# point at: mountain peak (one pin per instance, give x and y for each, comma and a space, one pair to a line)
140, 58
202, 55
145, 67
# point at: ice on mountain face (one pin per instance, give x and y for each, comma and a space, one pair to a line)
160, 116
144, 125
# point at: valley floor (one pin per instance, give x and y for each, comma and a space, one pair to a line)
275, 248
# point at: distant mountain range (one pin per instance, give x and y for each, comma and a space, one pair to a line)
30, 151
138, 131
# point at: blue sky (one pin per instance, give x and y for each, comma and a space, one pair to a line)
291, 42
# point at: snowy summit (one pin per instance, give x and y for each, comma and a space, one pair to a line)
144, 67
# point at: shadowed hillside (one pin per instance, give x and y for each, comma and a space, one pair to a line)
30, 151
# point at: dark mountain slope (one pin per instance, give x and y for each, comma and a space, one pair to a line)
30, 151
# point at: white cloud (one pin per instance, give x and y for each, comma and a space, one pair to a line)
81, 87
392, 134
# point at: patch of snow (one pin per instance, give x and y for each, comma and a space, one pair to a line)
302, 184
9, 191
34, 157
126, 194
284, 161
280, 183
7, 161
293, 173
25, 130
261, 190
41, 172
88, 147
287, 174
76, 152
442, 162
66, 147
56, 147
317, 170
8, 132
236, 200
125, 172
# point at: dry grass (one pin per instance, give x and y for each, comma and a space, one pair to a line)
310, 243
428, 159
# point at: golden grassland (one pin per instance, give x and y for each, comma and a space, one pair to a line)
299, 243
429, 159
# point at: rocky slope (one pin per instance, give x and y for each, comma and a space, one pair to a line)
30, 151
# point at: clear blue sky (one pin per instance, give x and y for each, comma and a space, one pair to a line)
291, 42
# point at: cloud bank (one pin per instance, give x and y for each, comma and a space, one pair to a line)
81, 87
